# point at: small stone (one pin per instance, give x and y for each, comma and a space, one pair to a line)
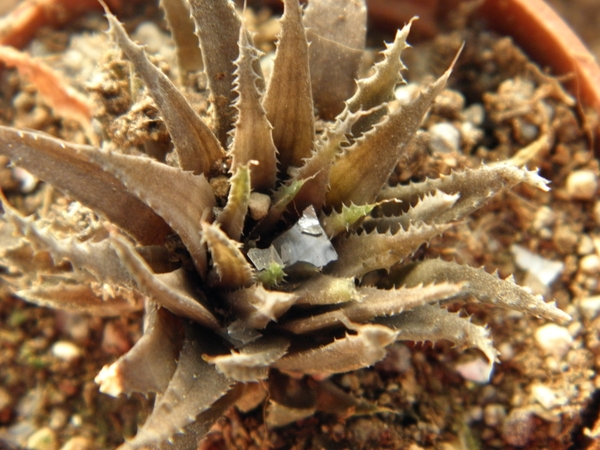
590, 307
554, 339
545, 270
475, 414
585, 246
528, 131
477, 370
66, 351
590, 264
258, 205
546, 396
78, 443
494, 414
42, 439
565, 239
475, 114
449, 103
58, 418
518, 427
507, 352
582, 185
445, 138
405, 93
544, 217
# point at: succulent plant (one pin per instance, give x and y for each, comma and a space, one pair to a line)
262, 242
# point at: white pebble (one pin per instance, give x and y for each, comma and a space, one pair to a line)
554, 339
582, 185
590, 307
546, 396
586, 245
507, 352
66, 351
78, 443
258, 205
42, 439
477, 370
545, 270
445, 138
494, 414
475, 114
405, 93
544, 217
590, 264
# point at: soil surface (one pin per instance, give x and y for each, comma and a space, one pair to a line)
545, 393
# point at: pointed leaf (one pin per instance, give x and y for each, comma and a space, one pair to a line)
252, 138
149, 365
197, 148
427, 210
231, 268
488, 288
233, 215
343, 355
256, 307
373, 302
379, 87
218, 28
193, 433
187, 46
252, 362
338, 222
195, 386
326, 290
475, 187
64, 166
432, 323
288, 100
169, 290
336, 32
98, 258
373, 157
89, 298
363, 253
179, 197
316, 169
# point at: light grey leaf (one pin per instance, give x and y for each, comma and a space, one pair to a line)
196, 386
149, 365
343, 355
181, 198
187, 46
336, 32
293, 120
170, 290
252, 361
197, 148
218, 28
432, 323
68, 168
488, 288
475, 187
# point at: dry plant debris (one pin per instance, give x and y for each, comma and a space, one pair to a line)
239, 298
